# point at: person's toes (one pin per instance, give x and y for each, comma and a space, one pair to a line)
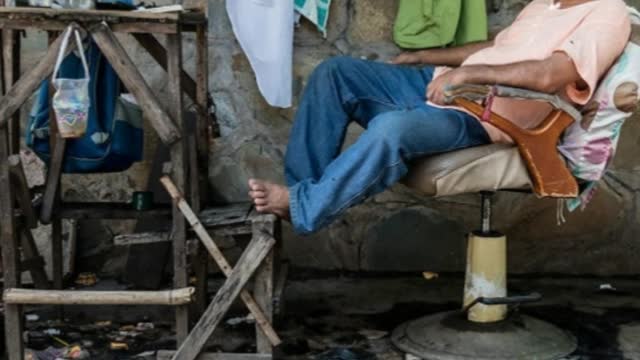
257, 194
256, 185
260, 201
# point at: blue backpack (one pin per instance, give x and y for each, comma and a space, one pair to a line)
114, 137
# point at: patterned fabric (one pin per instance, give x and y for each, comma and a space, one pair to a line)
317, 11
589, 146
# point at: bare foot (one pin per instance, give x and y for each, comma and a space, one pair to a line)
270, 198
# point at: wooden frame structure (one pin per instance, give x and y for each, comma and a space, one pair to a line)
188, 167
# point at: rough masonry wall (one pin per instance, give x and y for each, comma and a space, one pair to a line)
394, 231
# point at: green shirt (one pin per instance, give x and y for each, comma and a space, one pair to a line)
436, 23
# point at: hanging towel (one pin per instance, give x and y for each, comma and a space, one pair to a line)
264, 29
436, 23
317, 11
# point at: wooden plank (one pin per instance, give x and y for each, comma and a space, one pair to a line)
251, 258
179, 170
13, 319
226, 215
49, 198
135, 83
281, 282
77, 297
29, 82
30, 251
71, 15
263, 288
10, 257
11, 70
57, 254
150, 43
262, 321
203, 100
200, 258
23, 194
168, 354
57, 25
109, 210
141, 238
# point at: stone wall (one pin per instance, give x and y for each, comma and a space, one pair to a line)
397, 230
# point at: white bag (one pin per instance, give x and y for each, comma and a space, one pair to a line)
589, 146
71, 101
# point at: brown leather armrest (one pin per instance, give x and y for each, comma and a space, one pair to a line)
538, 148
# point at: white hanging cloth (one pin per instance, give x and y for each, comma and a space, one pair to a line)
264, 29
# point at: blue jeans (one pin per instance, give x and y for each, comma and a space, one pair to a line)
389, 102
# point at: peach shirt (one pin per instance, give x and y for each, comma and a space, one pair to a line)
592, 34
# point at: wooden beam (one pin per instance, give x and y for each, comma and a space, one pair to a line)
29, 82
263, 321
109, 210
13, 321
179, 171
23, 194
49, 199
251, 258
77, 297
30, 251
11, 69
141, 238
281, 283
60, 25
263, 292
168, 354
135, 83
150, 43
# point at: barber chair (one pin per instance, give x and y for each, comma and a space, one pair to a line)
485, 329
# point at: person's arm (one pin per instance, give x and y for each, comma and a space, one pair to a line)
453, 56
548, 76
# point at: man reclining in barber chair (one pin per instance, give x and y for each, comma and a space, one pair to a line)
426, 126
555, 47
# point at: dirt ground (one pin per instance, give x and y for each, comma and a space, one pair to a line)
351, 317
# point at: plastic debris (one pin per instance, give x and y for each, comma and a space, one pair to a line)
86, 279
249, 319
373, 334
51, 353
32, 317
52, 331
118, 346
127, 328
430, 275
143, 326
76, 352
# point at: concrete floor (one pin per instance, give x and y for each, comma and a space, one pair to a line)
340, 318
351, 313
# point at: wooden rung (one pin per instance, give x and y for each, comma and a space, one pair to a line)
76, 297
23, 194
108, 210
167, 355
140, 238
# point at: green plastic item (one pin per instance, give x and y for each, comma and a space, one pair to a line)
437, 23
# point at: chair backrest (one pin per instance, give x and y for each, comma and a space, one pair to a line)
589, 146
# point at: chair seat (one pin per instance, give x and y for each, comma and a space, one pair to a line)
482, 168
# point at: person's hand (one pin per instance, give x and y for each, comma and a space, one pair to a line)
406, 58
436, 89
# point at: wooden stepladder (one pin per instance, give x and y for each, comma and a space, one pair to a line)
166, 118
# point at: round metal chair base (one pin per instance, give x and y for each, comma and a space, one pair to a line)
450, 336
